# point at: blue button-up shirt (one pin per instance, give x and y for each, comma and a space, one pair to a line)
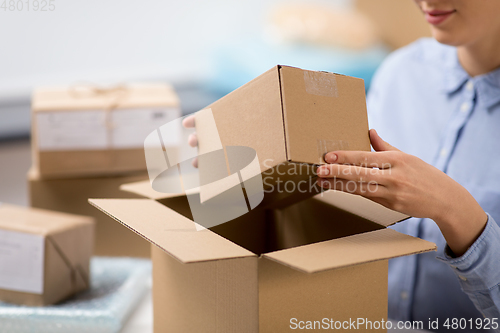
424, 103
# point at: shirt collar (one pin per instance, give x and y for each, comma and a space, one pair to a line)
455, 77
489, 88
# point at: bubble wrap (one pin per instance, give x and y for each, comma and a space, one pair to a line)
117, 286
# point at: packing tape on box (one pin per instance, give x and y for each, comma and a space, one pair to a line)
320, 84
326, 146
229, 183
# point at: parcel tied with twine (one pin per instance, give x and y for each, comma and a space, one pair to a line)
85, 130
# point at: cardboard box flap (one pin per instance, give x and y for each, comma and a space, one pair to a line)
362, 207
169, 230
310, 131
347, 251
143, 188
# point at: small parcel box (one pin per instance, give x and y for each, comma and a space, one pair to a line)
85, 130
44, 255
324, 257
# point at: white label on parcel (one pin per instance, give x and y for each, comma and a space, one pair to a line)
130, 127
21, 261
72, 130
97, 130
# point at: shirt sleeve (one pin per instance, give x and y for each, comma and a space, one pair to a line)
478, 271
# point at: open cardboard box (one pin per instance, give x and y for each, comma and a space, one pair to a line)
325, 257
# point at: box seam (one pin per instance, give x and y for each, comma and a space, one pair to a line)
283, 112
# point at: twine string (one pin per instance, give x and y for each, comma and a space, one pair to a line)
116, 94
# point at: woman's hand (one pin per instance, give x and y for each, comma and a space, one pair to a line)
188, 122
407, 184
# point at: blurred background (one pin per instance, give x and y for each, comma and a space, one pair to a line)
204, 48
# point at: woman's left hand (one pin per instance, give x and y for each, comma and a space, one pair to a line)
407, 184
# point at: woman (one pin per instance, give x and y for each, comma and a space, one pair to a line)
439, 102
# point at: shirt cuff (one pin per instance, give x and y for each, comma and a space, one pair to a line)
478, 268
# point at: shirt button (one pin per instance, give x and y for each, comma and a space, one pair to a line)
463, 278
404, 295
464, 107
443, 152
469, 86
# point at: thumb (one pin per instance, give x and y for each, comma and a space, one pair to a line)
378, 144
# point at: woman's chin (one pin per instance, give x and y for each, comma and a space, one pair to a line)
447, 37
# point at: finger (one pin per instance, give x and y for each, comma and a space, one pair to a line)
360, 158
352, 172
188, 122
194, 162
378, 144
193, 140
368, 190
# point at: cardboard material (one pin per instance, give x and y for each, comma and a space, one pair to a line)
343, 294
71, 196
310, 260
399, 22
291, 118
64, 256
85, 130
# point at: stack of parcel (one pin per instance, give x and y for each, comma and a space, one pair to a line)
86, 142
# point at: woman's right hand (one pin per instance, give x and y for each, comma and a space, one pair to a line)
188, 122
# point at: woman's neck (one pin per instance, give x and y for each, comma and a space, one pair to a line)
480, 57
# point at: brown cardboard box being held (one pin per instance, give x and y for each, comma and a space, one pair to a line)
44, 255
86, 130
325, 257
71, 195
291, 117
